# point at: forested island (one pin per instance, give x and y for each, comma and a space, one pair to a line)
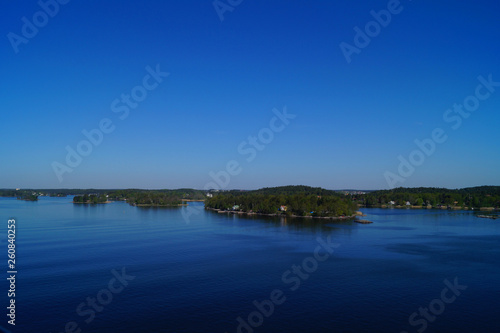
480, 197
135, 197
148, 198
26, 195
90, 199
299, 201
143, 198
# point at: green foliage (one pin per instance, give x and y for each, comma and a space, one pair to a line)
28, 196
272, 198
299, 200
476, 197
133, 196
156, 197
90, 199
58, 195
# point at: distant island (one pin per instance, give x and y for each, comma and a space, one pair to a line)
157, 198
26, 195
91, 199
143, 198
474, 198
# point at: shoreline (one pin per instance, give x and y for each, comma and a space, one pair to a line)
155, 205
338, 218
152, 205
432, 207
492, 217
91, 203
131, 204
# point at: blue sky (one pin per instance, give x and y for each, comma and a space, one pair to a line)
225, 78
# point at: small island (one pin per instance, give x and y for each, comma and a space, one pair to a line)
28, 197
157, 198
25, 195
141, 198
90, 199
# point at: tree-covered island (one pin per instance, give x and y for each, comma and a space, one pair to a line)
299, 201
90, 199
26, 195
143, 198
479, 197
157, 198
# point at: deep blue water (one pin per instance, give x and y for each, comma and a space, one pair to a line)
202, 275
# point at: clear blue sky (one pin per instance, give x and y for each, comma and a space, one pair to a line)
352, 121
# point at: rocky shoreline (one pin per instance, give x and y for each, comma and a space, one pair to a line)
442, 207
492, 217
335, 218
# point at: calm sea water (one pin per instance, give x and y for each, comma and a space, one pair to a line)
203, 275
